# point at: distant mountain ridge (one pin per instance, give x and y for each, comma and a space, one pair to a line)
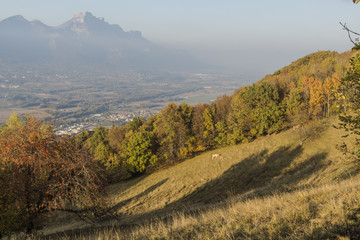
84, 24
84, 39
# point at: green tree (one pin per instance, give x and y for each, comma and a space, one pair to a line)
139, 153
82, 137
296, 105
171, 133
135, 124
256, 110
186, 112
350, 120
198, 128
222, 131
222, 107
240, 121
99, 136
102, 153
98, 145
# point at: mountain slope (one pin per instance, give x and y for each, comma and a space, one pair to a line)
272, 163
319, 65
202, 185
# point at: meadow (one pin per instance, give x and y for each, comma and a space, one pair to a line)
271, 188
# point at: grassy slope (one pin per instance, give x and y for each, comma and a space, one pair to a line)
272, 176
272, 163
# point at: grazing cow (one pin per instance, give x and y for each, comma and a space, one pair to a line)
216, 156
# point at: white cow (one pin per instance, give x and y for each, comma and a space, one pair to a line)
216, 155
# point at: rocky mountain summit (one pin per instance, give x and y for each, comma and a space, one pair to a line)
84, 39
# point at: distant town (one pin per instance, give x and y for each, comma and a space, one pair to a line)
95, 120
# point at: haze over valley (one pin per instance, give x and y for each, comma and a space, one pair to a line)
90, 71
121, 58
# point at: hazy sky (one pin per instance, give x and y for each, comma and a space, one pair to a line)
252, 37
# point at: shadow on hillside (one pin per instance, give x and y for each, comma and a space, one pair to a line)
305, 169
288, 181
253, 172
258, 175
125, 185
117, 206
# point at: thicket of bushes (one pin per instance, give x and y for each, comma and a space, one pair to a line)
41, 172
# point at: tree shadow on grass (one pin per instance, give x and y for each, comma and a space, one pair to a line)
258, 175
125, 185
117, 206
106, 215
289, 180
254, 172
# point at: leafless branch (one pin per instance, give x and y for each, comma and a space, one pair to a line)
356, 43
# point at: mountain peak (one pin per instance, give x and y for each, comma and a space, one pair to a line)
84, 23
16, 19
15, 24
83, 17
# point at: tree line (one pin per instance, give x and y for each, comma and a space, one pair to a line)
309, 88
41, 172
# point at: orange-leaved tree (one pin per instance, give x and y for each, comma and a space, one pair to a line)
40, 171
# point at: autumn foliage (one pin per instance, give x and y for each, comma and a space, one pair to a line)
42, 172
309, 88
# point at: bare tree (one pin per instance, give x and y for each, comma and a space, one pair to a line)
355, 41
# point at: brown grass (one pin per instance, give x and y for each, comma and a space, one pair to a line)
272, 188
329, 211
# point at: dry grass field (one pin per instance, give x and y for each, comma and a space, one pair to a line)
291, 185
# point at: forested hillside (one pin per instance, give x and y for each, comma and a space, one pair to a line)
307, 89
270, 188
